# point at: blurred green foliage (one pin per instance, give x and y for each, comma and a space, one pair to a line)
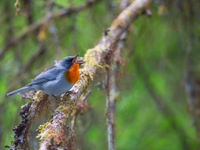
157, 45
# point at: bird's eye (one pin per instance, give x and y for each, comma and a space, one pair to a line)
68, 60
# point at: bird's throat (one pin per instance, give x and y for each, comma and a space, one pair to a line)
72, 74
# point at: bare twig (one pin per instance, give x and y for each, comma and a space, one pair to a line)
112, 92
109, 112
61, 13
57, 133
111, 87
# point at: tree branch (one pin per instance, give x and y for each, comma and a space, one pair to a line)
111, 87
57, 132
112, 91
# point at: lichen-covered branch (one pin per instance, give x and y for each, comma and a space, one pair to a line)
34, 26
57, 133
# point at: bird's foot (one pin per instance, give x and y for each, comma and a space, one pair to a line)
69, 92
57, 98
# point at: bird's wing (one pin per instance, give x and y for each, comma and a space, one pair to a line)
48, 75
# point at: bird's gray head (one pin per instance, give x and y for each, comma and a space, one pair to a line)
68, 61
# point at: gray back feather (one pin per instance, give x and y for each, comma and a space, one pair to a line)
48, 75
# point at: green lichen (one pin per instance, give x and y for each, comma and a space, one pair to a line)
42, 129
91, 60
90, 56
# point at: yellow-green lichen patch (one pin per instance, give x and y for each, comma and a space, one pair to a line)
42, 129
84, 74
64, 108
91, 57
91, 60
38, 96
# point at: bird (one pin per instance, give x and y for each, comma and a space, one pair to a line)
55, 80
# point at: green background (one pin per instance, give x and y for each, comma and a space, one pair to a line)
153, 62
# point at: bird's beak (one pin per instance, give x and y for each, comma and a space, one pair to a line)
78, 60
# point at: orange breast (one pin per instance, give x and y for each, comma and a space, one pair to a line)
72, 74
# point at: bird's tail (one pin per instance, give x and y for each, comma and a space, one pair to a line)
18, 90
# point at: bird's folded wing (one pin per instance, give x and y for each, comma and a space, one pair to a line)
48, 75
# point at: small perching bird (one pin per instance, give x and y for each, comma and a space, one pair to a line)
57, 79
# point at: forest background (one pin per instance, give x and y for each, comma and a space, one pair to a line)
158, 80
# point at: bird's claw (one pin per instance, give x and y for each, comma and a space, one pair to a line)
69, 92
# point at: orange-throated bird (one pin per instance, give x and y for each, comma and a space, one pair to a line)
57, 79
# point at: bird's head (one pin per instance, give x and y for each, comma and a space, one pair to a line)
68, 61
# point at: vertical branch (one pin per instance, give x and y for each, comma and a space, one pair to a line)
109, 112
111, 89
112, 92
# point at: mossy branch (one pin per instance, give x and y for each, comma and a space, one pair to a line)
57, 133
